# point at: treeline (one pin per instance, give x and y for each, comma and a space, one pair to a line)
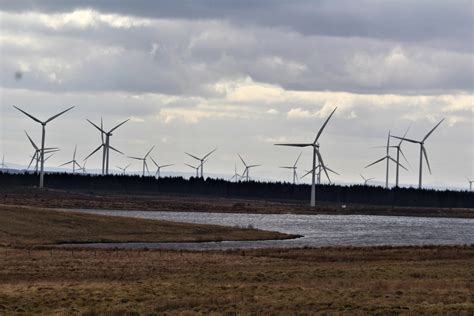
260, 190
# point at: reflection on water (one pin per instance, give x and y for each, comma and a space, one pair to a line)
318, 230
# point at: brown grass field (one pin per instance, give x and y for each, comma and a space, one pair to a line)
384, 281
36, 277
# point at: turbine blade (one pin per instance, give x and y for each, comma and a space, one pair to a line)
153, 160
94, 151
324, 125
146, 166
403, 155
100, 129
149, 151
397, 163
294, 145
31, 141
297, 159
209, 153
363, 177
404, 135
286, 167
426, 158
322, 164
251, 166
407, 139
190, 166
164, 166
388, 142
29, 115
116, 150
375, 162
117, 126
242, 160
66, 163
31, 161
192, 156
330, 170
136, 158
427, 135
74, 155
60, 113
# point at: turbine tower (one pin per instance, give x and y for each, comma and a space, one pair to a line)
73, 162
470, 184
202, 160
3, 165
196, 168
106, 145
43, 135
37, 154
144, 160
366, 180
422, 152
158, 167
387, 158
316, 155
247, 168
294, 167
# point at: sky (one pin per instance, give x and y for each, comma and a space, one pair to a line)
241, 76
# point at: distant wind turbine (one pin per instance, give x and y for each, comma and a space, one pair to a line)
43, 135
366, 180
202, 160
247, 168
124, 169
400, 151
316, 155
236, 175
106, 145
319, 169
73, 162
470, 184
422, 152
294, 167
158, 167
3, 165
387, 158
196, 168
145, 165
37, 154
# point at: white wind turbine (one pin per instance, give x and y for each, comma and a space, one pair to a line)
366, 180
316, 155
319, 169
145, 165
73, 162
105, 145
202, 160
37, 154
422, 151
470, 183
124, 169
294, 167
3, 165
387, 158
236, 175
195, 168
43, 135
158, 167
247, 169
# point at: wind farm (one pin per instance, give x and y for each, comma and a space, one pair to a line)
236, 158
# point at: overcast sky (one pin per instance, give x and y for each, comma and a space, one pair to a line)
240, 76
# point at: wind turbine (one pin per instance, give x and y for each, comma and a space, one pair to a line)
247, 168
106, 145
202, 160
124, 169
320, 167
73, 162
236, 175
196, 168
144, 160
158, 167
470, 184
83, 168
37, 154
295, 175
400, 151
366, 180
422, 151
387, 158
43, 124
3, 165
316, 155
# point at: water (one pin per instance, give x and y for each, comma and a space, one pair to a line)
317, 230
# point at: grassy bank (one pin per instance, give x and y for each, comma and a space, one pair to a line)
26, 226
110, 200
411, 280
